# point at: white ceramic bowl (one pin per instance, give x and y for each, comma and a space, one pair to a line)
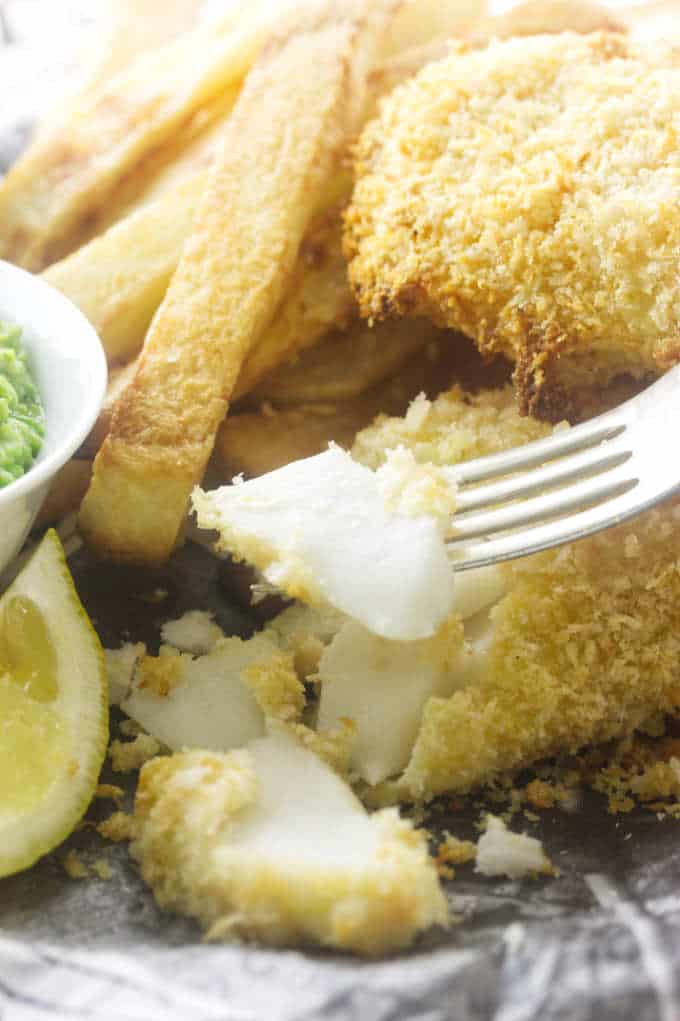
69, 366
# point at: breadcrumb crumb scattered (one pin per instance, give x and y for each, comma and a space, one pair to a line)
276, 686
110, 791
159, 674
452, 851
74, 866
101, 869
334, 747
129, 755
119, 827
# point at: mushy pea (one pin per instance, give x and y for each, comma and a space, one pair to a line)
22, 420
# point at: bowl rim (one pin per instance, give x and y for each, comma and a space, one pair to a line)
90, 399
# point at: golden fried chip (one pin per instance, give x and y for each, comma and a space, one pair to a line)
189, 152
130, 29
300, 104
119, 378
258, 442
66, 175
119, 279
345, 364
318, 298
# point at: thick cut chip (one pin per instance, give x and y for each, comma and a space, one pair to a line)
321, 530
255, 443
119, 279
119, 378
346, 364
189, 152
318, 298
543, 220
269, 843
297, 107
65, 176
130, 29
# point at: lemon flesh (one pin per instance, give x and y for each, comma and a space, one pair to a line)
53, 709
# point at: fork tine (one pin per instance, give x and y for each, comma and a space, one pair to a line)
536, 509
465, 557
540, 451
601, 458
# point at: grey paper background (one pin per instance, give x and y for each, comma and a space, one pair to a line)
601, 942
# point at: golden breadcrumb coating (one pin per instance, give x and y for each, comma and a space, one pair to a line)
585, 645
74, 866
457, 426
119, 827
452, 851
276, 687
334, 747
191, 809
527, 194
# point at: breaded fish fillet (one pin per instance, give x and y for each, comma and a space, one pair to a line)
583, 647
529, 195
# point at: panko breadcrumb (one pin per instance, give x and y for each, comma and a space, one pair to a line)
456, 426
528, 195
118, 828
585, 647
452, 851
74, 866
129, 755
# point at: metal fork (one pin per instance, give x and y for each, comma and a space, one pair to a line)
571, 484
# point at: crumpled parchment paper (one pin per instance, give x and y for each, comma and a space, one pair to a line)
601, 942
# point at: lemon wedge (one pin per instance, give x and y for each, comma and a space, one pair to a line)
53, 709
